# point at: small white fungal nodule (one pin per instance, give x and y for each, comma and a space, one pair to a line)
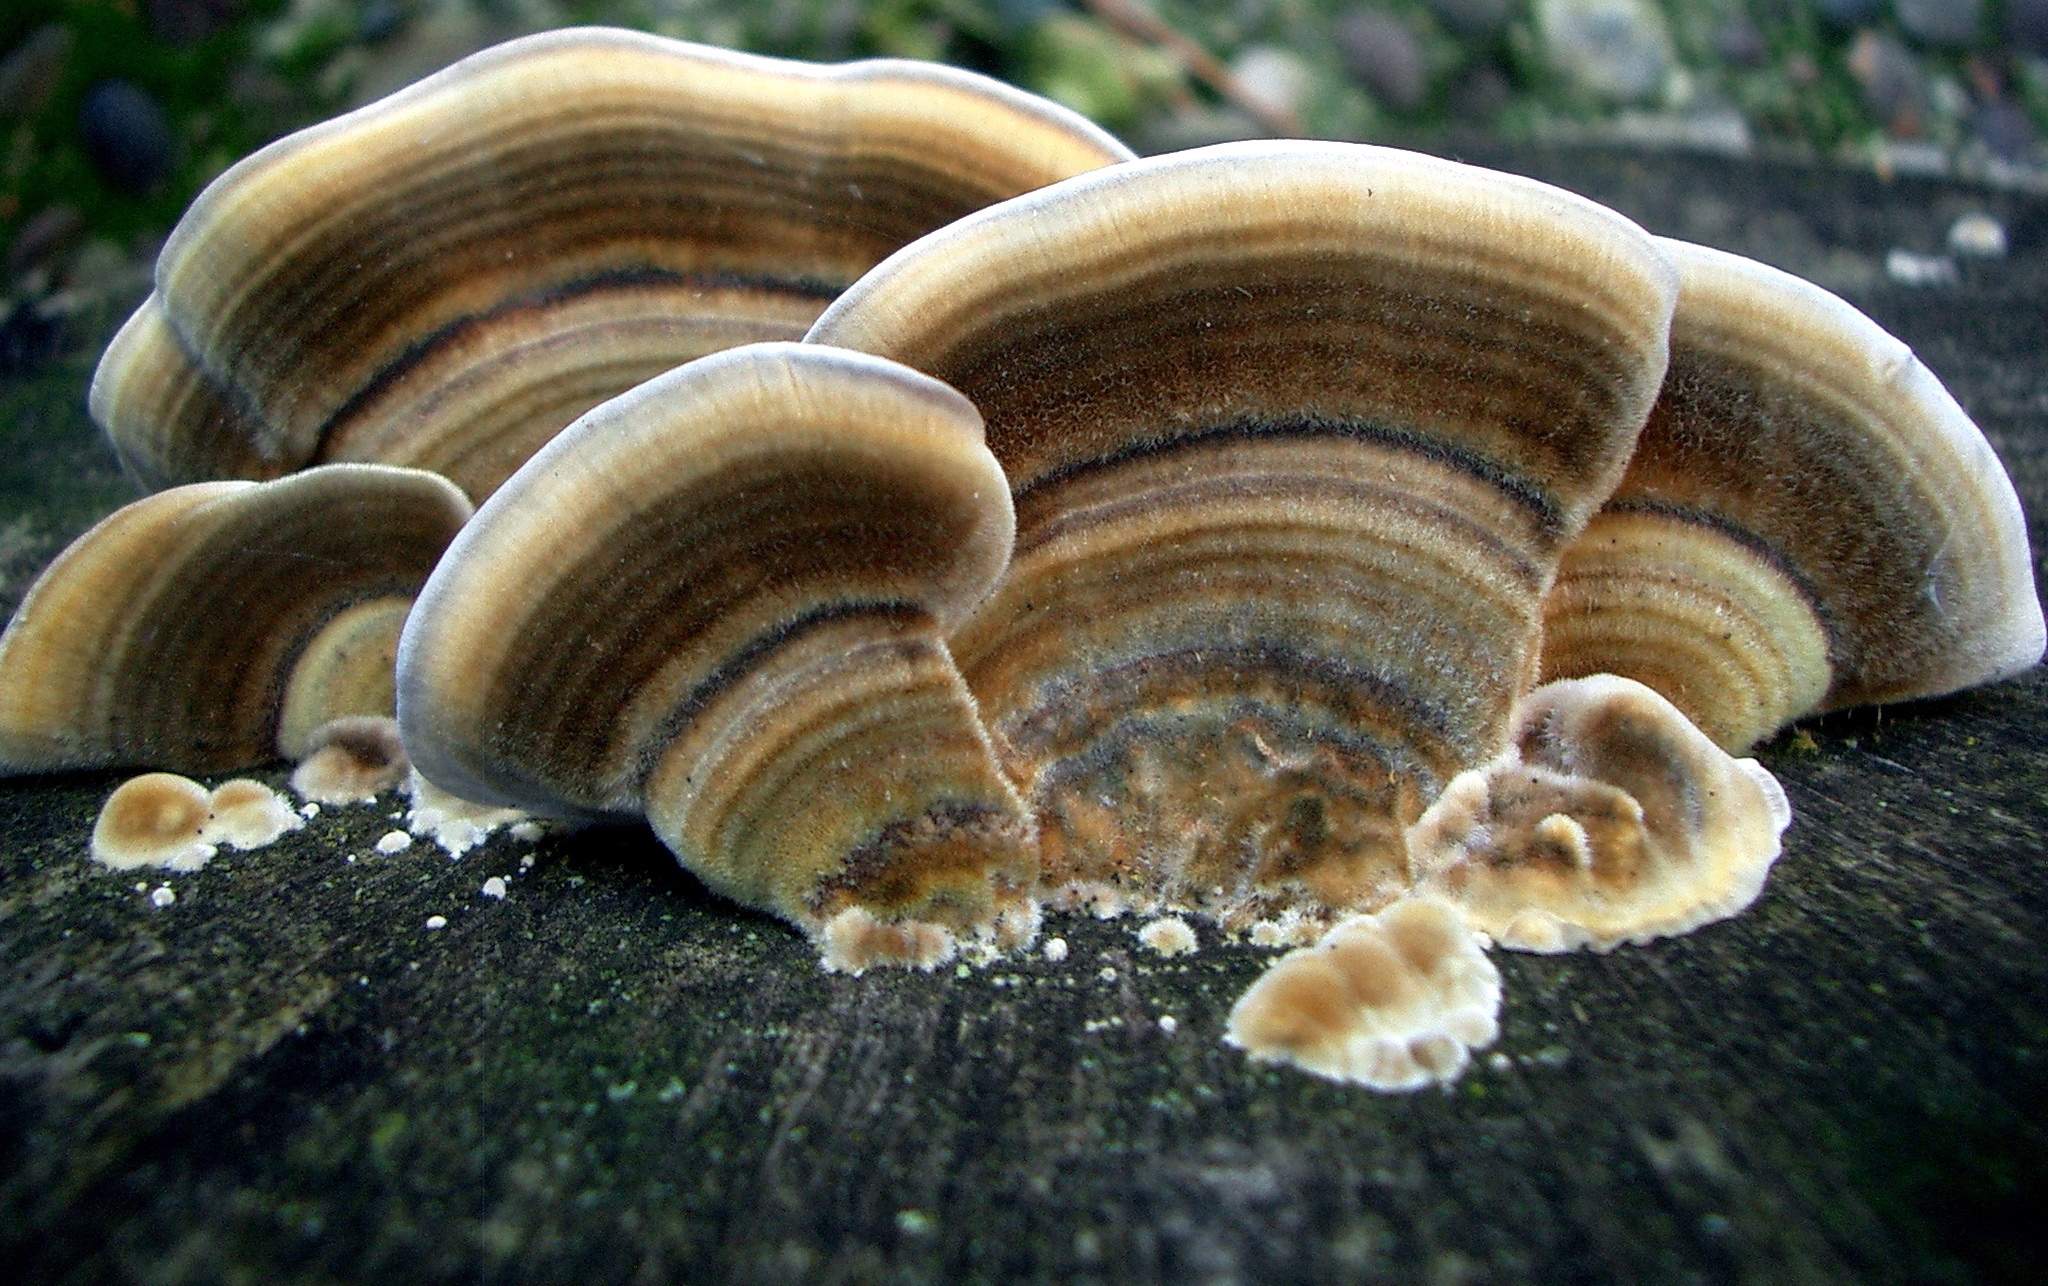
1169, 937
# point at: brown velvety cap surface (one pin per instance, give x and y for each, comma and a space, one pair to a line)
169, 634
1296, 432
448, 276
1810, 521
719, 600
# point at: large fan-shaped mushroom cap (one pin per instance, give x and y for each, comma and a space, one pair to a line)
719, 600
1295, 431
448, 276
1809, 522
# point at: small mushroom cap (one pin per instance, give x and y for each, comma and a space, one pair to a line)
1809, 522
248, 814
1394, 1001
717, 600
157, 819
1169, 936
351, 759
170, 633
413, 282
1611, 819
1296, 432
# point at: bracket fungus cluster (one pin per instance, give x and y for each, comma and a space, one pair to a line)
1185, 535
448, 276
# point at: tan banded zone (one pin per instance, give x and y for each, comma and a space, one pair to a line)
166, 636
1805, 474
772, 788
753, 188
168, 421
1295, 433
719, 600
1701, 614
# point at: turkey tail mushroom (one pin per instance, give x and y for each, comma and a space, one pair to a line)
1394, 1001
1610, 819
1809, 522
217, 625
720, 601
1296, 432
416, 283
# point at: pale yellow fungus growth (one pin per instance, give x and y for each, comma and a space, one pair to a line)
170, 634
1395, 1001
1809, 522
1611, 819
719, 602
351, 760
157, 819
1169, 936
248, 814
1296, 432
447, 277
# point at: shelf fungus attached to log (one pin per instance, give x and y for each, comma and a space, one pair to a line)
1611, 819
447, 277
1395, 1001
1809, 522
1296, 432
219, 625
720, 601
163, 819
157, 819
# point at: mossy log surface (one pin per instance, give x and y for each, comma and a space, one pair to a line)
610, 1074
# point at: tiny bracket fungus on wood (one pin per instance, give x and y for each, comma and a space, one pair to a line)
249, 814
1394, 1001
1296, 432
352, 759
720, 601
201, 628
1809, 522
157, 819
163, 819
1610, 819
416, 283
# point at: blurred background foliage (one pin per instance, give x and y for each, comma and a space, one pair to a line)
116, 111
